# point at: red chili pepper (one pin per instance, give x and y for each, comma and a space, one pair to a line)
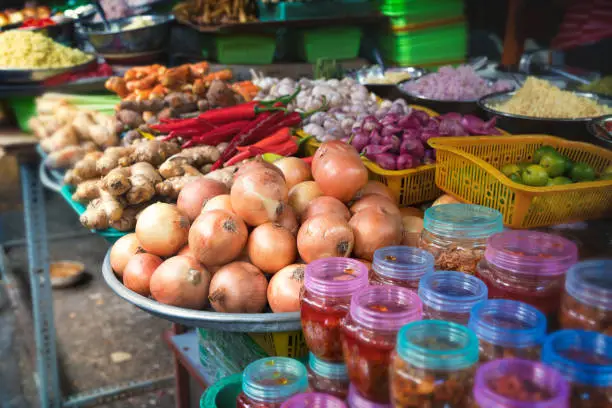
280, 136
245, 111
240, 157
218, 135
183, 125
286, 149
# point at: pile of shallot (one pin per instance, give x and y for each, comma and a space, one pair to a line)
242, 250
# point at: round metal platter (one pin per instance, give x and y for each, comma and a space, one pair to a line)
234, 322
24, 76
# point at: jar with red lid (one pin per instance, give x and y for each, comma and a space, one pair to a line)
329, 378
527, 266
268, 382
456, 235
329, 284
401, 266
587, 300
369, 335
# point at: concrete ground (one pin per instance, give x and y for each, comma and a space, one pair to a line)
101, 339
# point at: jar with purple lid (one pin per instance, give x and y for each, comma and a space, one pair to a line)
527, 266
328, 378
450, 295
329, 284
313, 400
516, 383
401, 266
369, 335
356, 400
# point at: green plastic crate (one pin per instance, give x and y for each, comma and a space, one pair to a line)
330, 43
285, 11
422, 10
253, 49
24, 108
222, 394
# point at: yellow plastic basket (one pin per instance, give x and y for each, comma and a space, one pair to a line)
467, 168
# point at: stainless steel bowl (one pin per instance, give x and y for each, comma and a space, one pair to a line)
118, 41
572, 129
597, 127
24, 76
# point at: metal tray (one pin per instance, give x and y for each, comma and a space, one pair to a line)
597, 127
25, 76
234, 322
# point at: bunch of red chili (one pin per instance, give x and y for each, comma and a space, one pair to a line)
241, 125
37, 23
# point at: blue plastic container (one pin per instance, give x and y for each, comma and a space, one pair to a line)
507, 328
401, 266
584, 358
326, 377
273, 380
450, 295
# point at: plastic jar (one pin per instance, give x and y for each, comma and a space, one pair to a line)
507, 328
268, 382
587, 300
355, 400
528, 266
456, 235
584, 358
401, 266
516, 383
433, 365
450, 295
329, 378
328, 286
313, 400
369, 335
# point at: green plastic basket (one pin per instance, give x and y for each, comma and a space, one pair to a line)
223, 393
24, 108
330, 43
285, 11
253, 49
422, 10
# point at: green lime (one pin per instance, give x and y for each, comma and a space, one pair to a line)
535, 176
553, 163
537, 155
510, 169
582, 172
559, 181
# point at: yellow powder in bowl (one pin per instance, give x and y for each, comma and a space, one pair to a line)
539, 98
24, 49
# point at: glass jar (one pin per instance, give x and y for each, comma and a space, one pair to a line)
584, 358
401, 266
528, 266
355, 400
369, 334
587, 300
507, 328
516, 383
329, 378
450, 295
268, 382
433, 365
456, 235
313, 400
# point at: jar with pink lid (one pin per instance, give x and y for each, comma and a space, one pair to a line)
527, 266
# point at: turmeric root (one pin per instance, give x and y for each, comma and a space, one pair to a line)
102, 211
87, 191
117, 181
194, 157
117, 85
150, 151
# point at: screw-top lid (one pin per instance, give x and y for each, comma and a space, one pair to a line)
463, 221
581, 356
590, 282
313, 400
333, 371
356, 400
437, 345
274, 379
451, 291
508, 323
539, 379
531, 252
402, 262
385, 307
335, 276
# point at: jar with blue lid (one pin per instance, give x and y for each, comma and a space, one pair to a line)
326, 377
433, 365
584, 358
587, 299
508, 328
456, 235
450, 295
268, 382
401, 266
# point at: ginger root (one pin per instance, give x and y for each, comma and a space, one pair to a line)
128, 219
224, 175
117, 182
64, 136
172, 187
111, 157
68, 156
194, 157
87, 191
150, 151
102, 211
